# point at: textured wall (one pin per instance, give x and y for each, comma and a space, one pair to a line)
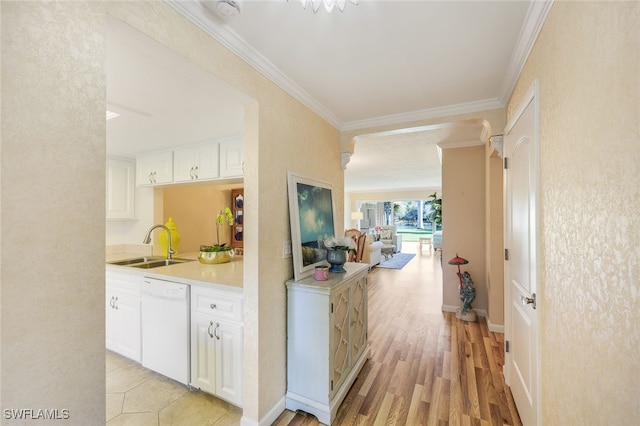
53, 208
587, 58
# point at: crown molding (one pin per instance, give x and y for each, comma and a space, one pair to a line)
460, 144
215, 27
536, 16
458, 109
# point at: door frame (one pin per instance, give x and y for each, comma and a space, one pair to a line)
531, 96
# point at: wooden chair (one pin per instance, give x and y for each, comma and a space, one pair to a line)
355, 234
360, 247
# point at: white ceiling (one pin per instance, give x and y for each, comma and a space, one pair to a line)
378, 63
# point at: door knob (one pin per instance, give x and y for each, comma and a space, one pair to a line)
528, 300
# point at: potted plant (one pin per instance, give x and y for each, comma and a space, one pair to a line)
337, 249
218, 253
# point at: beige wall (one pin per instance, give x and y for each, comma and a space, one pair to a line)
463, 222
587, 59
52, 235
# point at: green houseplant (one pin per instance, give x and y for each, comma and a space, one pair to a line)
435, 215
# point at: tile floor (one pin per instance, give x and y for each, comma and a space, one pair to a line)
139, 397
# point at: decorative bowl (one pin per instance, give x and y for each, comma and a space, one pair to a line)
215, 257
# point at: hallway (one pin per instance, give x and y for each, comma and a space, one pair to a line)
427, 367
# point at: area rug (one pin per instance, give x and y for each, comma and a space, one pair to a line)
397, 261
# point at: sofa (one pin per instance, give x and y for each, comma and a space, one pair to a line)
372, 251
389, 235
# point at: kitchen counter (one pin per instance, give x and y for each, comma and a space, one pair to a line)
226, 276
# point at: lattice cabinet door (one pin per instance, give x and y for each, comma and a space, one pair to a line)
358, 319
339, 365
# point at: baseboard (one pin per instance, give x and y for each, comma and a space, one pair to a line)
495, 328
268, 419
454, 308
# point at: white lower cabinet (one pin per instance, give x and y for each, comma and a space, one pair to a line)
216, 343
123, 334
326, 340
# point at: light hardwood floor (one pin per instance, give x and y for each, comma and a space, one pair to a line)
427, 367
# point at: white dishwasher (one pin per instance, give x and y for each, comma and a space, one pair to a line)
165, 328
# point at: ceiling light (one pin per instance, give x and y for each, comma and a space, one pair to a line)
111, 114
228, 8
328, 4
224, 8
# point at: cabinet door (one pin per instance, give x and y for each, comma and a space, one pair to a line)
231, 159
203, 356
184, 165
154, 168
228, 361
122, 314
123, 324
339, 362
130, 337
111, 322
358, 319
207, 161
193, 163
120, 188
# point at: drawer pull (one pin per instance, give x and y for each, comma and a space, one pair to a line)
214, 306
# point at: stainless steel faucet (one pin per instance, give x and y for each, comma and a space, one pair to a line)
147, 239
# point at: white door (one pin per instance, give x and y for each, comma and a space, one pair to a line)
521, 214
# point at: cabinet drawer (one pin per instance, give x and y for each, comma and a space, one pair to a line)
125, 283
216, 303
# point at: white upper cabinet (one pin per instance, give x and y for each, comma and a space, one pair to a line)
120, 188
154, 168
231, 158
193, 163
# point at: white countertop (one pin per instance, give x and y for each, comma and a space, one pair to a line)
227, 276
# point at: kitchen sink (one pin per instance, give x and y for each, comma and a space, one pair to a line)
157, 263
129, 261
149, 262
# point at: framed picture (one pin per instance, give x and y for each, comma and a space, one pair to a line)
311, 210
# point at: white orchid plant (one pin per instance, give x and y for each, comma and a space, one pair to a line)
341, 243
223, 216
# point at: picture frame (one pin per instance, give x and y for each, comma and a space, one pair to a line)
312, 219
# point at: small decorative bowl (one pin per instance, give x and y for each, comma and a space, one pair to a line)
215, 257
